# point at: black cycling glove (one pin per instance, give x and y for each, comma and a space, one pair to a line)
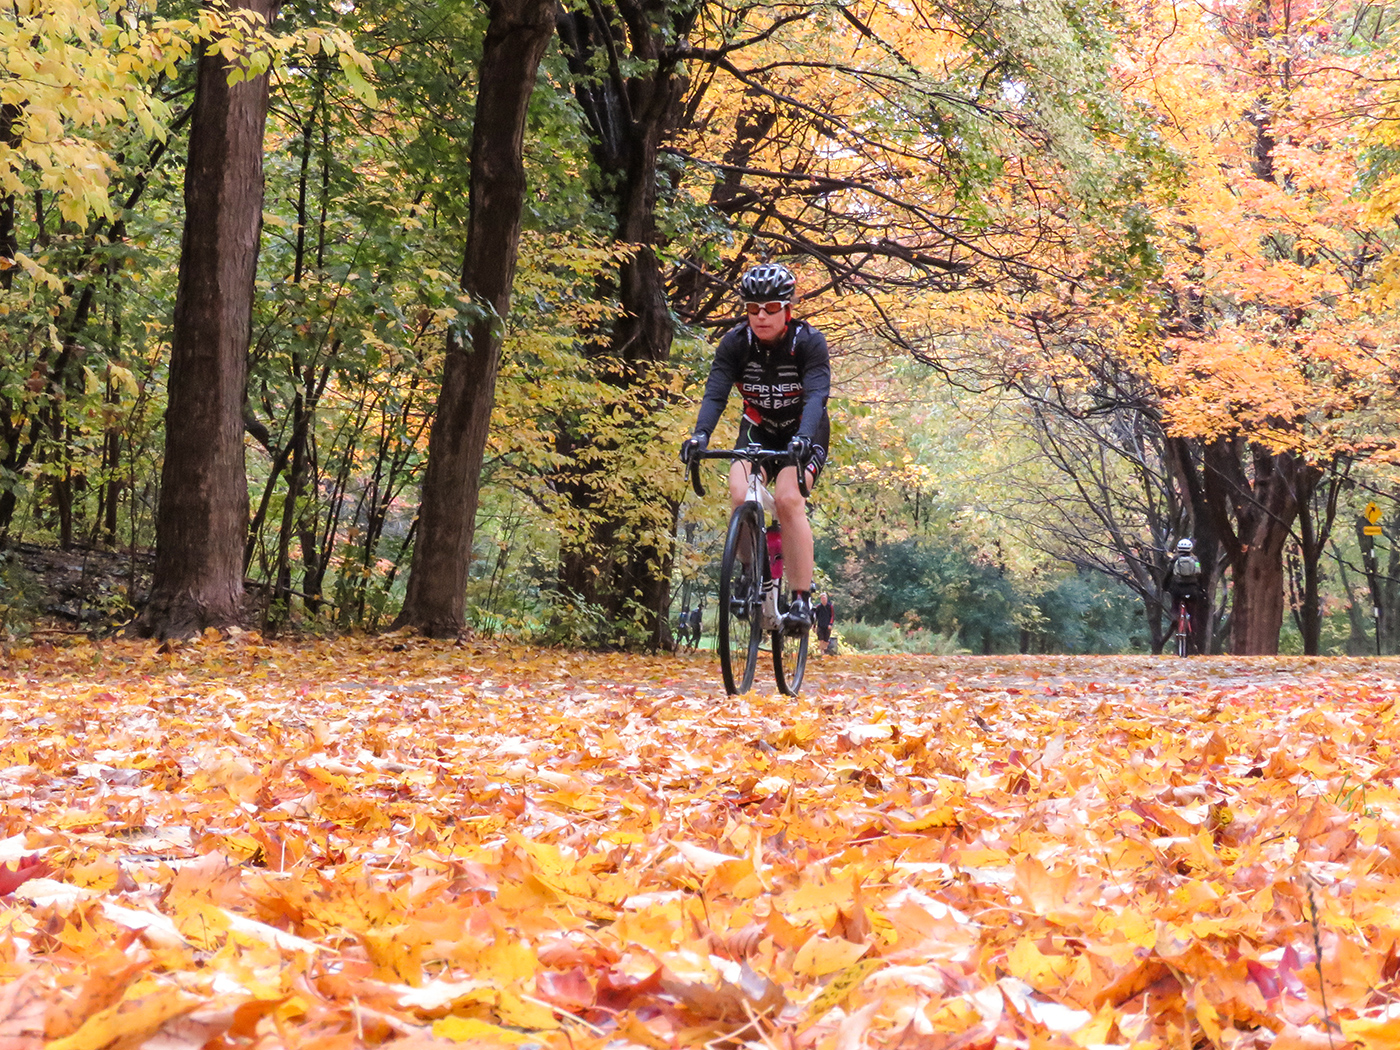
694, 445
800, 449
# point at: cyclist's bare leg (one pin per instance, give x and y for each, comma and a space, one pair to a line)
738, 483
797, 531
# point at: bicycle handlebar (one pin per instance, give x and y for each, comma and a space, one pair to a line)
751, 454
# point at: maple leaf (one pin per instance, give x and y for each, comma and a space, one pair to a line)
26, 868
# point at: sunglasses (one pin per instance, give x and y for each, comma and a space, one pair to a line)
768, 308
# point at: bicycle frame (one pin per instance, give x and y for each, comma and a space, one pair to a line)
1183, 629
757, 574
759, 495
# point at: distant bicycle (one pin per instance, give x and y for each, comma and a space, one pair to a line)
752, 594
1183, 628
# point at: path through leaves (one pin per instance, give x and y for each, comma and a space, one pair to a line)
341, 844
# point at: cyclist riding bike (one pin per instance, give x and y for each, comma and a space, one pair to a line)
1183, 579
783, 371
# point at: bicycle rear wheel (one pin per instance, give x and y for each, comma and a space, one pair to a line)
740, 600
1183, 630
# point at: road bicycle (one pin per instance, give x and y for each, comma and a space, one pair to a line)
1183, 628
752, 594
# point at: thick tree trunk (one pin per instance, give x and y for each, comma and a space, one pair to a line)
1254, 496
1259, 605
629, 113
202, 517
516, 35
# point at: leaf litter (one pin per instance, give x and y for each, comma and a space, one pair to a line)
392, 842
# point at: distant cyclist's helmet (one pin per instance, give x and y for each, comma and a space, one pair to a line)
1185, 546
768, 282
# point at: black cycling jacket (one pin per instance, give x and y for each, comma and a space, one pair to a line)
784, 390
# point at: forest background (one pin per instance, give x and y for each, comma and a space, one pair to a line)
1095, 276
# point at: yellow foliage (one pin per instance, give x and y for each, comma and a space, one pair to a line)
82, 71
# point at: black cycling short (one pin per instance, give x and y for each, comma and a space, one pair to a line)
749, 434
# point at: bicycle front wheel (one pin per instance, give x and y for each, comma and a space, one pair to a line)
789, 661
741, 600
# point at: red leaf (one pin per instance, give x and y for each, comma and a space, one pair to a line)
617, 991
1264, 978
569, 989
26, 868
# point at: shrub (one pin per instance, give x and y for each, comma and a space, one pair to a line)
856, 636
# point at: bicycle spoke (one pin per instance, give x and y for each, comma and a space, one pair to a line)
789, 656
740, 611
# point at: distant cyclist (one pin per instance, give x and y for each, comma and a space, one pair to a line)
783, 371
697, 616
1183, 580
825, 614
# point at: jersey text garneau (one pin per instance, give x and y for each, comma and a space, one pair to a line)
785, 389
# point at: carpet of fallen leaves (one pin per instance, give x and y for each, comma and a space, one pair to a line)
363, 842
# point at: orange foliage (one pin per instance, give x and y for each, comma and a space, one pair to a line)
351, 843
1271, 257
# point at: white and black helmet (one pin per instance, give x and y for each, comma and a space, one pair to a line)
768, 282
1185, 546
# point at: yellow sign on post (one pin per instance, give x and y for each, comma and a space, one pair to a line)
1371, 513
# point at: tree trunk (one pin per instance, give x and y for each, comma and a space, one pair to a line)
516, 35
1259, 604
1358, 644
1184, 461
1304, 581
1253, 512
202, 517
629, 112
112, 486
9, 239
1388, 630
697, 294
280, 599
1316, 514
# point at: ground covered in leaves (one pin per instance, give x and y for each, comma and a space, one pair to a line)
350, 843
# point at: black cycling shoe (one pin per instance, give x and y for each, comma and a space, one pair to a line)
798, 618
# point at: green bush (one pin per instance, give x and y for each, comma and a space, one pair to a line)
943, 589
21, 596
855, 636
944, 597
1087, 613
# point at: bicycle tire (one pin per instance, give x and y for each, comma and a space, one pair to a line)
1183, 631
741, 601
788, 674
789, 678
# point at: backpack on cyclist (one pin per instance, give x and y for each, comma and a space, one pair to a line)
1186, 569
